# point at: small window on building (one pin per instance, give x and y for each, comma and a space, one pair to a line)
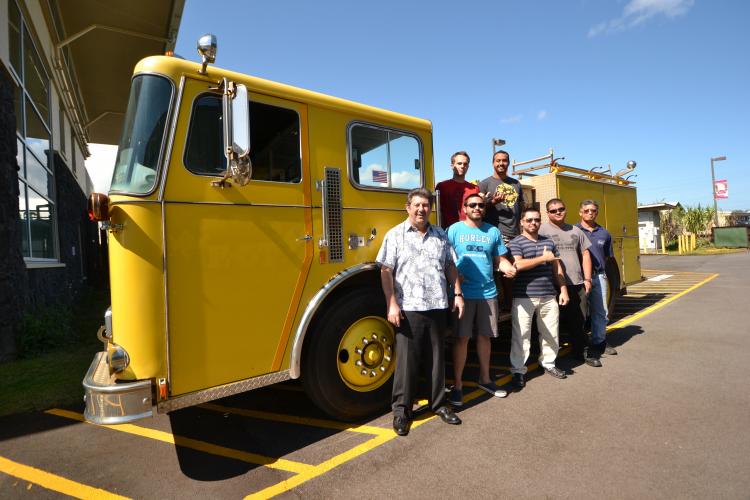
274, 141
384, 158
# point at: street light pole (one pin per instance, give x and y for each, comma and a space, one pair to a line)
713, 188
495, 144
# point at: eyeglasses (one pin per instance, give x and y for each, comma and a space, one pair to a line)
589, 210
532, 220
474, 205
556, 210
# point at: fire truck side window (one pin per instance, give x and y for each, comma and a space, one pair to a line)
384, 158
274, 141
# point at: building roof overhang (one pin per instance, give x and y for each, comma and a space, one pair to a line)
96, 52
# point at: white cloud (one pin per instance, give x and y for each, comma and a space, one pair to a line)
636, 12
511, 119
541, 115
405, 179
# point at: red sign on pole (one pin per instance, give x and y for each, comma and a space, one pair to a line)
721, 189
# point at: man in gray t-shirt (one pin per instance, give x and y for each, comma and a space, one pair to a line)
504, 197
573, 246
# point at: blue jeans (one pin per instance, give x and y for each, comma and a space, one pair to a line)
598, 308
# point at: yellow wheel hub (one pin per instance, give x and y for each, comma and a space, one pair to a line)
366, 354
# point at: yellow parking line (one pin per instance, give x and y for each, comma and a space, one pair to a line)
52, 481
193, 444
322, 468
658, 305
292, 419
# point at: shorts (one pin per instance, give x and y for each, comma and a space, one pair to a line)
479, 313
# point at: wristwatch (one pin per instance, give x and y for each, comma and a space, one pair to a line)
458, 294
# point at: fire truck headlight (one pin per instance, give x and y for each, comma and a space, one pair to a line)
118, 359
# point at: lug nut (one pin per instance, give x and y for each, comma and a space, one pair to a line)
358, 350
372, 374
363, 372
358, 362
365, 341
374, 336
382, 368
387, 358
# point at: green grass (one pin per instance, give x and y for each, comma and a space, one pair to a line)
45, 381
51, 373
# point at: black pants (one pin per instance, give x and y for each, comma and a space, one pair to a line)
421, 337
572, 319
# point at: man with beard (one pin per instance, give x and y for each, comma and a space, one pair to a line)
573, 246
480, 249
504, 196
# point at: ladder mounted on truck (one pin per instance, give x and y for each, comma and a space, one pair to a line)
621, 177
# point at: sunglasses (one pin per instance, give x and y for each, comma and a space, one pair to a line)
590, 210
474, 205
532, 220
556, 210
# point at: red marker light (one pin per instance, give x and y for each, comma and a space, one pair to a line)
98, 207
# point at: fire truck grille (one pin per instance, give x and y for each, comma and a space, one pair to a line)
332, 212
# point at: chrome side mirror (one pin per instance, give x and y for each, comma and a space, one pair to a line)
207, 51
236, 120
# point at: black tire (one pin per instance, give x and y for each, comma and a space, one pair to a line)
322, 359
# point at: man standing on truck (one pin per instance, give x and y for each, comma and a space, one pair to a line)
573, 246
416, 258
453, 191
601, 252
538, 271
480, 248
504, 197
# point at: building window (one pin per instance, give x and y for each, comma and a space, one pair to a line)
384, 158
36, 199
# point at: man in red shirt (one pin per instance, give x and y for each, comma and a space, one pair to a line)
453, 191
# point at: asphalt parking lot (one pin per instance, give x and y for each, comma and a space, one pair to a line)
667, 417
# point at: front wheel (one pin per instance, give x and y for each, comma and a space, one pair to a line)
347, 367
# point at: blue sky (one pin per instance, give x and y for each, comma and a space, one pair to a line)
662, 82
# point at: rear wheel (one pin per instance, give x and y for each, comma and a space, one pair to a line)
347, 367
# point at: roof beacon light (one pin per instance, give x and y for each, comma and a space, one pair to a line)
207, 50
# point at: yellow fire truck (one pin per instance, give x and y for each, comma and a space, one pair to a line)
545, 178
244, 218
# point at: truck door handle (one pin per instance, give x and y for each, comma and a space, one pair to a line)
306, 237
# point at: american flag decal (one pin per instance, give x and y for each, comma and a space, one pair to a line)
380, 176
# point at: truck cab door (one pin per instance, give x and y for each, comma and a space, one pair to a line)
236, 257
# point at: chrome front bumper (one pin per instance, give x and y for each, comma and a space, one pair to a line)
108, 402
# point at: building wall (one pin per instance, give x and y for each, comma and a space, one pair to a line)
648, 231
12, 268
28, 284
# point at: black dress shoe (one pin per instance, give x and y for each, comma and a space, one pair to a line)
447, 416
593, 362
401, 425
518, 382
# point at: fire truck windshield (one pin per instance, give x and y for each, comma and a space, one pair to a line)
142, 137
